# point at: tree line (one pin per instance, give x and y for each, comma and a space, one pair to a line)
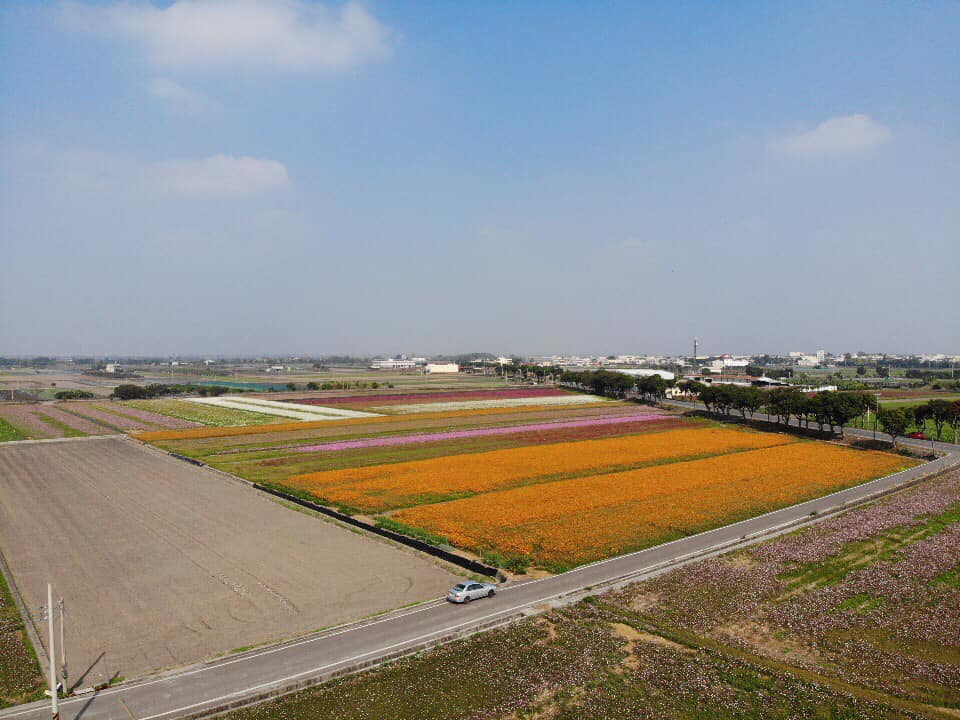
145, 392
829, 409
616, 384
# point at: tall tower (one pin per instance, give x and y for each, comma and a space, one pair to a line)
695, 343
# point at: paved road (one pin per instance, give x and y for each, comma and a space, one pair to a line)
203, 688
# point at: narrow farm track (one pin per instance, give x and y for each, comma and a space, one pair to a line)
241, 679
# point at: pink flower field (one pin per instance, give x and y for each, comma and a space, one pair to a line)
479, 432
26, 418
116, 421
72, 421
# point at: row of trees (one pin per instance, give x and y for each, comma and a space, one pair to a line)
145, 392
826, 409
896, 421
523, 371
599, 382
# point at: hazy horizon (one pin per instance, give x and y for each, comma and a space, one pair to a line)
344, 178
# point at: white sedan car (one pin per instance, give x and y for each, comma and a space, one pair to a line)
466, 591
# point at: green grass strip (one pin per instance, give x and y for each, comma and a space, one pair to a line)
67, 430
8, 432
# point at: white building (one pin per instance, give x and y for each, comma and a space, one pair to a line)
441, 368
113, 368
727, 362
395, 364
665, 374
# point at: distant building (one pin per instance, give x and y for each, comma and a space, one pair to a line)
113, 368
727, 362
665, 374
395, 364
276, 368
441, 368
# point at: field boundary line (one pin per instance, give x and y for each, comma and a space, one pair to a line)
418, 545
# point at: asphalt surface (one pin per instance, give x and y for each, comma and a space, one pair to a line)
194, 691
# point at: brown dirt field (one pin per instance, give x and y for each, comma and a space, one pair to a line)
162, 563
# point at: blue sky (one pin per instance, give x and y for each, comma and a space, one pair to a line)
257, 176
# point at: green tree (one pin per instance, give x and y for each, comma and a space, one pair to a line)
748, 400
955, 418
842, 407
893, 421
940, 412
861, 370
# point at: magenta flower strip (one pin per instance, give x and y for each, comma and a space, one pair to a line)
477, 432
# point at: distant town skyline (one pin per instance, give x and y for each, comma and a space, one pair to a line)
340, 178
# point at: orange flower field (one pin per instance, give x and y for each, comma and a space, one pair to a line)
217, 432
386, 487
569, 522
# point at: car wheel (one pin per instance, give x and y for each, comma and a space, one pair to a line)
491, 593
467, 599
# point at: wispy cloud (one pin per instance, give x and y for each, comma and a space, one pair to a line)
122, 178
217, 175
257, 35
179, 98
848, 134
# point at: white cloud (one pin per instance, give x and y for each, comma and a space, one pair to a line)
844, 135
217, 175
259, 35
83, 172
180, 98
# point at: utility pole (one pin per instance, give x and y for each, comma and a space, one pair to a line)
696, 341
63, 646
54, 694
876, 417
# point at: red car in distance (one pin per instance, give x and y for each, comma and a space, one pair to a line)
917, 436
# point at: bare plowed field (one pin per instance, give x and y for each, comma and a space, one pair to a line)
162, 563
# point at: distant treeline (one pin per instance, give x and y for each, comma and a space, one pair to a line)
145, 392
616, 384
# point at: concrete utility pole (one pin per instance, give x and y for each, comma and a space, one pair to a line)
54, 695
696, 341
63, 646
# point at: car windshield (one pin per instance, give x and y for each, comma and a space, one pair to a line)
459, 586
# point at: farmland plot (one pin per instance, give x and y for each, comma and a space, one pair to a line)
156, 574
282, 409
